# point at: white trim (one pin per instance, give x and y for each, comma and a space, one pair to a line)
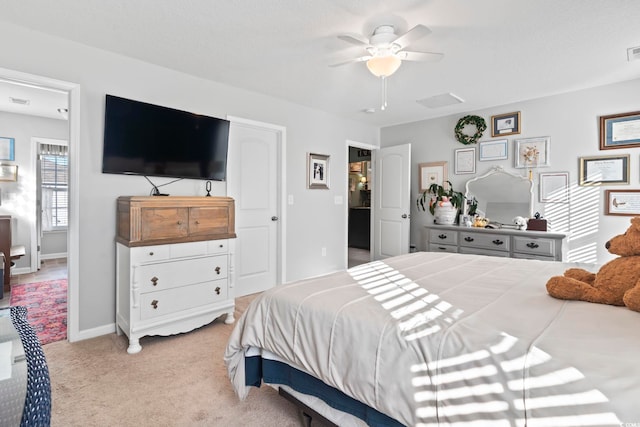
96, 332
281, 275
73, 243
35, 141
373, 148
54, 255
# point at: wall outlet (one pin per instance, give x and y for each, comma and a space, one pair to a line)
324, 251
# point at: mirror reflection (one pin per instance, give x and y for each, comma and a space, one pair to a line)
501, 196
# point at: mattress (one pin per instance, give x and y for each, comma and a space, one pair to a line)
451, 339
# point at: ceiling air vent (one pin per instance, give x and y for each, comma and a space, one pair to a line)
442, 100
633, 53
19, 101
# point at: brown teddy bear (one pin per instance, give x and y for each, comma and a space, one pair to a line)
616, 283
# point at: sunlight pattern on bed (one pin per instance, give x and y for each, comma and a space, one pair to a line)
457, 392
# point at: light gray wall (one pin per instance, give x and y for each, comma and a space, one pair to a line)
19, 198
571, 120
313, 222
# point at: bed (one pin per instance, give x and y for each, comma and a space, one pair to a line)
434, 339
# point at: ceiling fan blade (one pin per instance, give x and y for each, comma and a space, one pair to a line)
361, 59
412, 35
419, 56
354, 38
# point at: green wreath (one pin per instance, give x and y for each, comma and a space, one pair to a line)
477, 121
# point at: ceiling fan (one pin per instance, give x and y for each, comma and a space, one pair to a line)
385, 51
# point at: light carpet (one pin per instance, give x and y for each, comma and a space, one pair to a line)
46, 304
179, 380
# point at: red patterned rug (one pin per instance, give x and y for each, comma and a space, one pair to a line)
46, 304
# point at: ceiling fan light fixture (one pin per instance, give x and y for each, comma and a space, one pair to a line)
384, 66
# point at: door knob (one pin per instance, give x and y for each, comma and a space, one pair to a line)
274, 218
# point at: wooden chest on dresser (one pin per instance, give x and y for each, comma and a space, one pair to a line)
174, 264
510, 243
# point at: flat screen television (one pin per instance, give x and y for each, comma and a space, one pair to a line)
150, 140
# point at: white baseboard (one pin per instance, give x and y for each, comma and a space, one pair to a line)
93, 332
53, 256
22, 270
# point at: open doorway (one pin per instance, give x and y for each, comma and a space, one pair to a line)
359, 222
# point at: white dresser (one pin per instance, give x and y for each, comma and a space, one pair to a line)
509, 243
174, 261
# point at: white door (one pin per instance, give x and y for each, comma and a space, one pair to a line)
253, 181
391, 201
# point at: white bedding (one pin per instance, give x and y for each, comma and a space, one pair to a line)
437, 339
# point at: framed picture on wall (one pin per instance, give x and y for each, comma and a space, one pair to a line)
505, 124
317, 171
532, 152
622, 202
604, 170
554, 187
9, 173
7, 149
620, 131
493, 150
431, 173
465, 161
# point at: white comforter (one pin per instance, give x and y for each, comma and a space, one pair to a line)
437, 339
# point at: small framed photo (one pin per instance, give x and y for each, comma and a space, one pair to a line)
493, 150
317, 171
622, 202
9, 173
465, 161
604, 170
554, 187
7, 149
532, 152
620, 131
505, 124
432, 173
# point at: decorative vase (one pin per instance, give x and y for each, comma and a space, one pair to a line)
445, 213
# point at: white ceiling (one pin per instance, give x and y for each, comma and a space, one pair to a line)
496, 51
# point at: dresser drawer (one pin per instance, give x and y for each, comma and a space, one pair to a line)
173, 274
143, 254
443, 237
535, 246
494, 242
480, 251
155, 304
218, 246
434, 247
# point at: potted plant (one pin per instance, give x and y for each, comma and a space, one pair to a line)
443, 202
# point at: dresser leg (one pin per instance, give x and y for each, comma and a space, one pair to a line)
134, 346
230, 319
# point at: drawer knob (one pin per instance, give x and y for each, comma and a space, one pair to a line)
151, 253
154, 281
221, 246
217, 270
498, 242
469, 239
197, 222
154, 303
442, 236
218, 290
179, 222
441, 248
532, 245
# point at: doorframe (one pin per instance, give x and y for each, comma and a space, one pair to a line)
73, 237
35, 148
373, 149
281, 154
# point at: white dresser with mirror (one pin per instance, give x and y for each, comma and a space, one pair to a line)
500, 196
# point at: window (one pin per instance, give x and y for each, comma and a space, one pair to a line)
54, 178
